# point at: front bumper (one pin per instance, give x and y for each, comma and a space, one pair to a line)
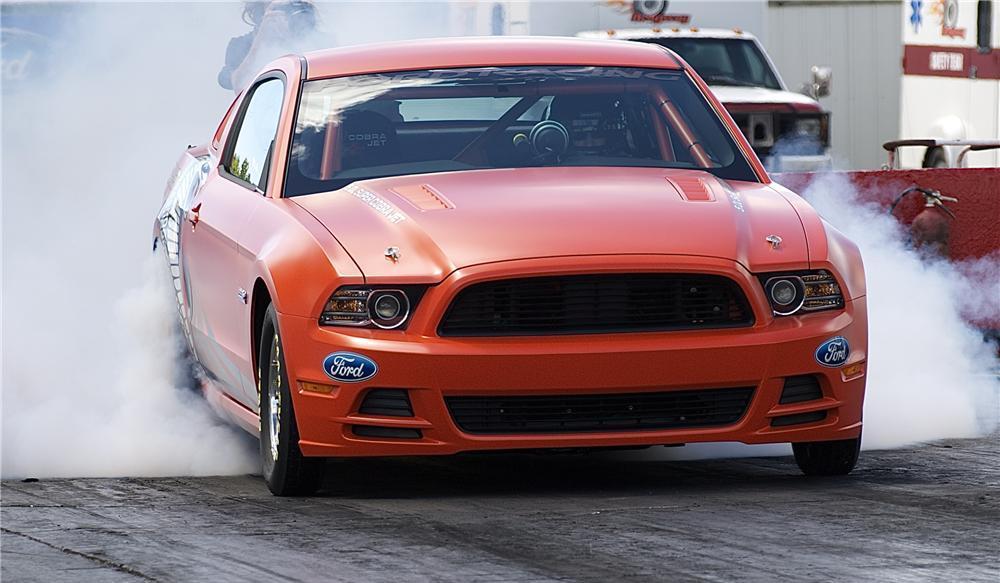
432, 368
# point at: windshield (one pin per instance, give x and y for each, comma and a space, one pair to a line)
373, 126
724, 61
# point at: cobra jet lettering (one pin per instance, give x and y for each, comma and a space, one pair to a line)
374, 140
381, 206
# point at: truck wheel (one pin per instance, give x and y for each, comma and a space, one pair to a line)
286, 471
827, 458
935, 158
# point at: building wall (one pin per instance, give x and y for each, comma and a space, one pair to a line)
862, 41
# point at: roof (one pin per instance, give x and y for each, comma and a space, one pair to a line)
665, 32
481, 52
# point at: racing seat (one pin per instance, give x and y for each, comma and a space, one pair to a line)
593, 122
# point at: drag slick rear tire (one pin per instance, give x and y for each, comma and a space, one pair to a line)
827, 458
286, 471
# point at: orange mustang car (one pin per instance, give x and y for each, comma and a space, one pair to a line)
440, 246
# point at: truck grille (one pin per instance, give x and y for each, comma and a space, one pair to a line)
608, 412
593, 304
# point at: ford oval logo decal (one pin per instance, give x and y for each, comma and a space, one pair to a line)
348, 367
833, 352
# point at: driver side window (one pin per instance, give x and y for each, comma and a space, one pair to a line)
250, 159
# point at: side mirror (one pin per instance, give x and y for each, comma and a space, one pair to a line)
820, 85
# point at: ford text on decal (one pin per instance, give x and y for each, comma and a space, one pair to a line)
834, 352
349, 368
453, 249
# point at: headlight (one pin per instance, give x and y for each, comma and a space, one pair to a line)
382, 308
806, 291
388, 308
809, 126
785, 294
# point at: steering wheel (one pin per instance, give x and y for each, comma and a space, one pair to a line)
549, 140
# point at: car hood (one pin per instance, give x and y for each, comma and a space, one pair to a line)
443, 222
728, 94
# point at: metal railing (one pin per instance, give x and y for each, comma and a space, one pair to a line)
970, 146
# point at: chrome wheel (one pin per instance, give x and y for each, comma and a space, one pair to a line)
274, 396
286, 471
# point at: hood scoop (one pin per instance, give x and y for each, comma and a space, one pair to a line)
692, 188
423, 196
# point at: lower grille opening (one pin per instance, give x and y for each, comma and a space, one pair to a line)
387, 403
800, 388
606, 412
798, 419
391, 432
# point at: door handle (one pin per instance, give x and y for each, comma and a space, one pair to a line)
194, 215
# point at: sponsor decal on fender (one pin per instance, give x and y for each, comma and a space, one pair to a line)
833, 352
348, 367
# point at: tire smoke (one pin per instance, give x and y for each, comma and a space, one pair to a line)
90, 357
930, 373
124, 413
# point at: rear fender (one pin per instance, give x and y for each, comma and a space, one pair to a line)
187, 179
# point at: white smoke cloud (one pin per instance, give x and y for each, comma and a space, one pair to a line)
124, 414
930, 374
89, 359
89, 356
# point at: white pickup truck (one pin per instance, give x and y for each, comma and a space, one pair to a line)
789, 131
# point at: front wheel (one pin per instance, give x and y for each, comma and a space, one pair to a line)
827, 458
286, 471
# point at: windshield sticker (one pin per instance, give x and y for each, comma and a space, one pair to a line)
380, 205
500, 74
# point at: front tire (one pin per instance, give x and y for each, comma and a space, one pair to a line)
286, 471
827, 458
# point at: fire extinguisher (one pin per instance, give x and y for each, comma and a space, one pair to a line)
931, 228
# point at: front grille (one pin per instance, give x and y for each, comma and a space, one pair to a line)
592, 304
608, 412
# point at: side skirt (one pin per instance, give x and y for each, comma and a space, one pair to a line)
230, 409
